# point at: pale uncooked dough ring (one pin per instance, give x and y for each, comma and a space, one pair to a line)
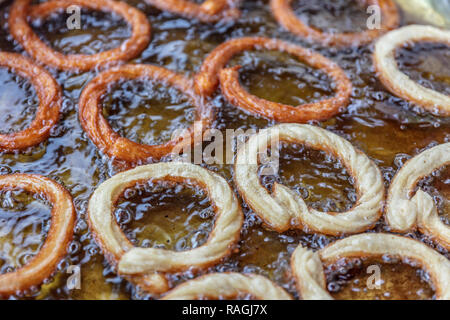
406, 212
307, 266
59, 236
21, 10
228, 286
284, 209
208, 11
286, 16
399, 83
146, 266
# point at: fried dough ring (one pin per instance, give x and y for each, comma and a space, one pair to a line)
399, 83
286, 16
60, 234
208, 11
226, 286
213, 69
120, 148
49, 94
147, 266
21, 10
406, 212
283, 209
307, 266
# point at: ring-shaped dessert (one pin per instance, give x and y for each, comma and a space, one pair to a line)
50, 99
60, 234
123, 149
208, 11
228, 285
286, 16
307, 265
147, 266
22, 10
213, 70
283, 209
399, 83
405, 211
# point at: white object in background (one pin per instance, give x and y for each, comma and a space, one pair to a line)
436, 12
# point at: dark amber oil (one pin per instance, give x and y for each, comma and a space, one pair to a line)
157, 214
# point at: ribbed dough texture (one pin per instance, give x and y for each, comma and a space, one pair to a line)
399, 83
23, 10
286, 16
309, 275
405, 212
284, 209
50, 100
147, 261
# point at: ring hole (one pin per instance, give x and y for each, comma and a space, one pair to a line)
437, 185
316, 176
428, 64
282, 78
373, 279
18, 102
337, 16
164, 214
24, 223
96, 31
147, 112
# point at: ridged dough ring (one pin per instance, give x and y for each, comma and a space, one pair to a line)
228, 285
405, 212
208, 11
213, 69
21, 11
286, 16
283, 209
307, 266
60, 234
147, 266
399, 83
123, 149
49, 94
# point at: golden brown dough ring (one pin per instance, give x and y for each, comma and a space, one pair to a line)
227, 286
399, 83
286, 16
307, 266
123, 149
284, 209
49, 94
208, 11
147, 265
406, 212
60, 234
213, 70
21, 10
